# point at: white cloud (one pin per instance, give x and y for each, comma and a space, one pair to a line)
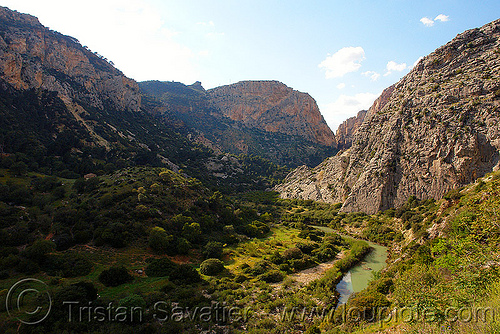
344, 61
372, 75
442, 18
427, 21
209, 30
206, 24
430, 22
393, 66
346, 106
341, 85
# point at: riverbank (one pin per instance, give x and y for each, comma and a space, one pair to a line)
308, 275
357, 278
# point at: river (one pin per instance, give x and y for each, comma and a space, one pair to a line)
358, 276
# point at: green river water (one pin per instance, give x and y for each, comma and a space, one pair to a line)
358, 277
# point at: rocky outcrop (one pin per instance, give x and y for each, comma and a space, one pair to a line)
347, 129
266, 119
274, 107
436, 129
35, 57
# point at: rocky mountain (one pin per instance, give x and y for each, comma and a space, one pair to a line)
347, 129
436, 129
263, 118
99, 108
274, 107
66, 107
34, 57
67, 111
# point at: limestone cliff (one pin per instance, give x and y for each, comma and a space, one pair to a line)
274, 107
263, 118
436, 129
35, 57
348, 128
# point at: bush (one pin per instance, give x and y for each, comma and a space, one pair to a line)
370, 302
240, 278
161, 242
185, 274
308, 247
212, 250
453, 195
29, 267
292, 253
211, 267
89, 288
115, 276
67, 265
261, 267
160, 267
273, 276
333, 239
37, 252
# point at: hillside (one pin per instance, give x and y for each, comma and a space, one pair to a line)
67, 111
278, 123
274, 107
436, 129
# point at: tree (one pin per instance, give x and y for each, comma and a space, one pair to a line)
186, 274
160, 267
161, 242
115, 276
40, 248
19, 168
213, 249
211, 267
192, 232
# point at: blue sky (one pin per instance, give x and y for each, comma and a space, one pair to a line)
342, 53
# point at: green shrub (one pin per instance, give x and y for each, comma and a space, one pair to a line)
40, 248
453, 195
26, 266
185, 274
273, 276
67, 265
212, 250
160, 267
115, 276
307, 247
211, 267
292, 253
161, 242
261, 267
240, 278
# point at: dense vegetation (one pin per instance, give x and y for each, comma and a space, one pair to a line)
29, 119
144, 235
137, 227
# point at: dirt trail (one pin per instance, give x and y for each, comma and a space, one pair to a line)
308, 275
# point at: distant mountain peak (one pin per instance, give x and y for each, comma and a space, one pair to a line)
274, 107
197, 85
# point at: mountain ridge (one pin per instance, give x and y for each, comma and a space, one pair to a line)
275, 126
273, 106
434, 130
